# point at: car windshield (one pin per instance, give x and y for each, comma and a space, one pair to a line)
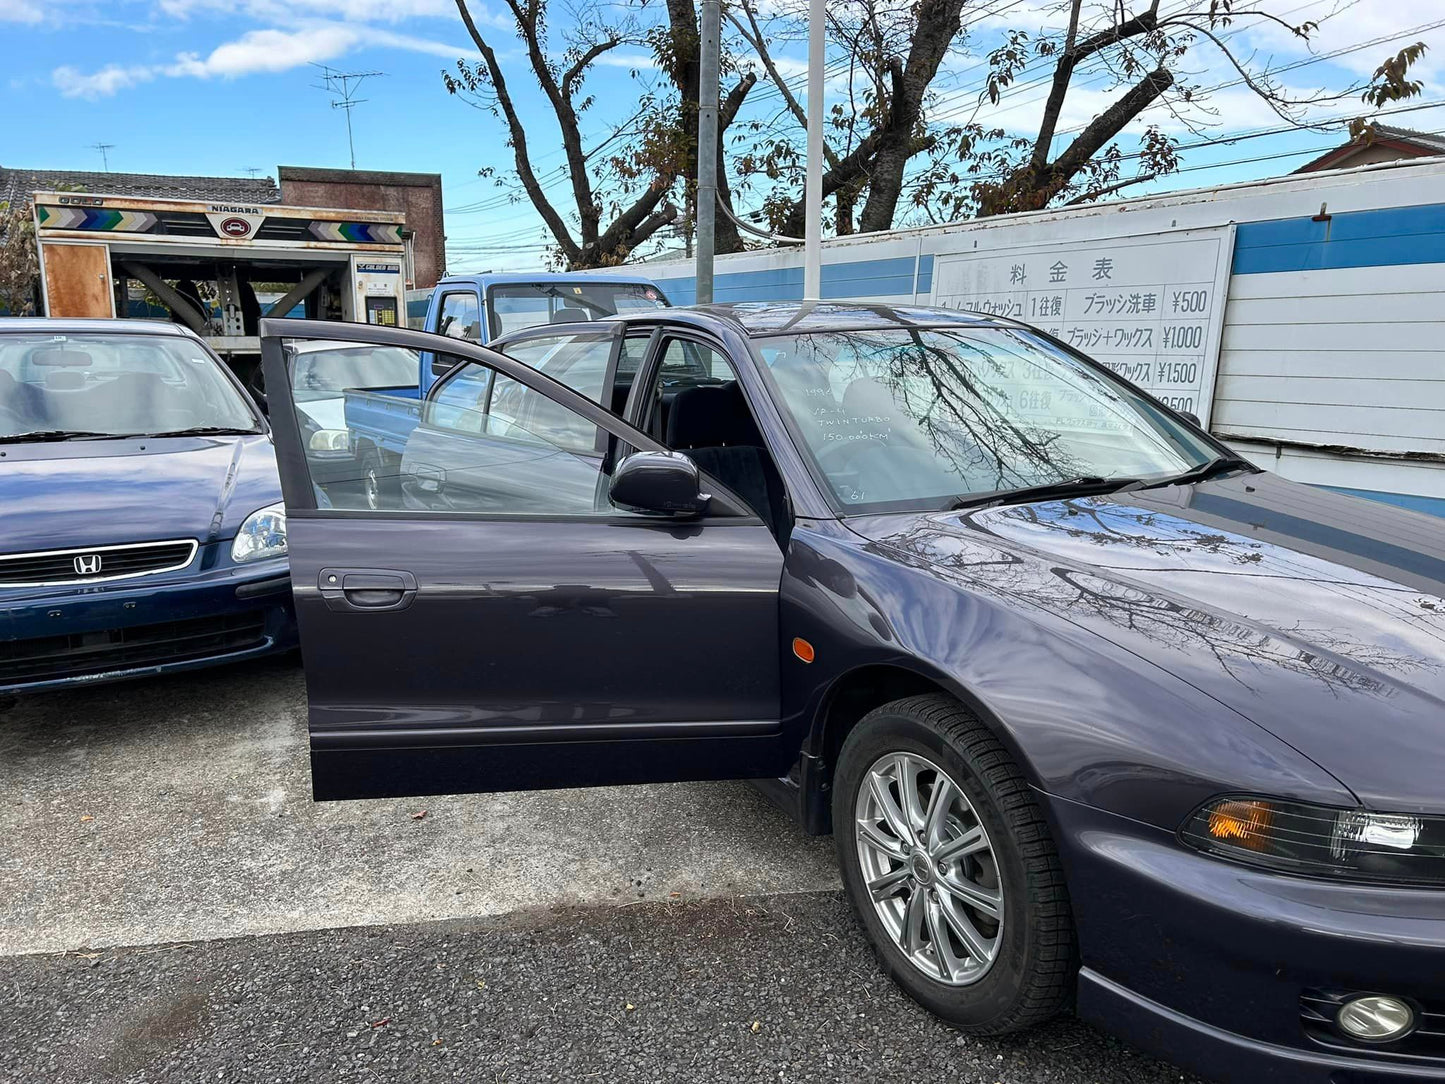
518, 305
328, 370
919, 418
114, 385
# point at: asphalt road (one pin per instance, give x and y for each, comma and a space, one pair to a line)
174, 908
771, 989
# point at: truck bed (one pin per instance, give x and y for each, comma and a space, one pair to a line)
383, 417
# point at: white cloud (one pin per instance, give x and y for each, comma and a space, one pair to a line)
257, 51
350, 10
99, 84
21, 11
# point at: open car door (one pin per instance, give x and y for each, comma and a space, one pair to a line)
495, 623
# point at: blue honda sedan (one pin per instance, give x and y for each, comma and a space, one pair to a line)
142, 529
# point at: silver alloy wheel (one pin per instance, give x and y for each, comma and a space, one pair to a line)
929, 868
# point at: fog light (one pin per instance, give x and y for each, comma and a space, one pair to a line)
1375, 1018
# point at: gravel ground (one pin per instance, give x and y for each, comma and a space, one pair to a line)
775, 989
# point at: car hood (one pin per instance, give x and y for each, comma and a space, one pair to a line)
103, 492
1318, 616
325, 413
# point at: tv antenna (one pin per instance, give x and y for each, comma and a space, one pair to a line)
104, 157
344, 86
251, 171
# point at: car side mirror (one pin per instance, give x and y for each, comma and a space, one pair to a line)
660, 483
1190, 417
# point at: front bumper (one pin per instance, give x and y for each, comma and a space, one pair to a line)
1214, 966
65, 636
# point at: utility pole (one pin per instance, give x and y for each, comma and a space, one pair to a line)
344, 85
813, 193
104, 157
707, 95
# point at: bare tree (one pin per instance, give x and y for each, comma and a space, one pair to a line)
622, 190
899, 149
19, 260
908, 151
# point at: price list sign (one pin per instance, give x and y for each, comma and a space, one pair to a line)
1151, 307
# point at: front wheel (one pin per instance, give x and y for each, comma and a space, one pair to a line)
949, 864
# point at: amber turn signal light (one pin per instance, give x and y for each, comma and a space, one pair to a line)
803, 649
1245, 824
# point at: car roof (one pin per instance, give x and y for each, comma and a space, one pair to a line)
546, 277
759, 319
55, 325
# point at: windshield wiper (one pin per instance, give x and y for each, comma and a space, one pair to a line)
1088, 485
1223, 464
202, 431
59, 434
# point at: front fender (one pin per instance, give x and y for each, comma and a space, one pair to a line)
1085, 719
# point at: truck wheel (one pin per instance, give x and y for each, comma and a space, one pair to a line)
949, 864
380, 488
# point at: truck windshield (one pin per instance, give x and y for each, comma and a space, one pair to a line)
920, 418
115, 385
511, 306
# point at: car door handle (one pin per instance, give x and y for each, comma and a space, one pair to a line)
366, 589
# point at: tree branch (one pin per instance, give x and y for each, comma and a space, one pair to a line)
575, 72
555, 223
588, 212
1068, 61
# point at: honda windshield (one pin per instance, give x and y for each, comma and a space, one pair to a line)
927, 418
95, 384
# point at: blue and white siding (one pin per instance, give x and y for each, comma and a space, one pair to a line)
1332, 362
1335, 339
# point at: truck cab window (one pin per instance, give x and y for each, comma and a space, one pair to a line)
460, 316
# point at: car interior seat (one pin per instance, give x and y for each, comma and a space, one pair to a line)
132, 399
569, 314
714, 427
23, 400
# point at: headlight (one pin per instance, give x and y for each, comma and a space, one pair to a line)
1351, 844
330, 440
262, 535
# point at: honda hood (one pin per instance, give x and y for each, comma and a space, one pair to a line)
1320, 617
65, 494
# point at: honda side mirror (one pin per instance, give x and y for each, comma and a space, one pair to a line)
659, 483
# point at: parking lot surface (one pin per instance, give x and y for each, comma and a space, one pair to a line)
173, 907
765, 989
180, 809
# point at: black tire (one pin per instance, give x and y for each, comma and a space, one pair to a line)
380, 487
1032, 975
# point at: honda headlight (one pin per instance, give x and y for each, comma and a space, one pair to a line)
330, 442
1352, 844
262, 535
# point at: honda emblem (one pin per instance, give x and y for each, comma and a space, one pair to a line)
87, 564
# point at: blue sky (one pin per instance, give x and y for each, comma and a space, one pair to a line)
205, 87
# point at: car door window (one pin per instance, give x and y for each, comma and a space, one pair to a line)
460, 316
577, 360
481, 442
